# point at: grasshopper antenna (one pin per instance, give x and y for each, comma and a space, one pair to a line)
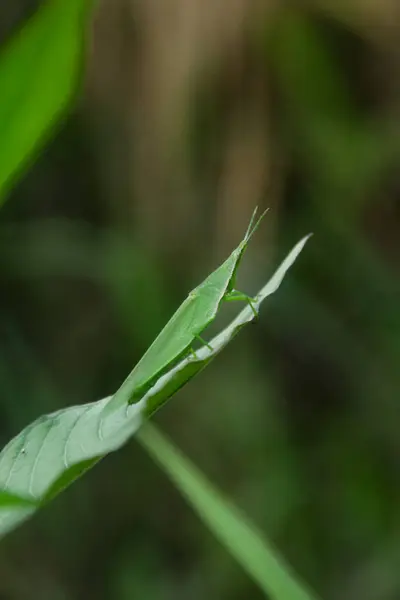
253, 225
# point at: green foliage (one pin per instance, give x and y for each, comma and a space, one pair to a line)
227, 523
54, 450
39, 70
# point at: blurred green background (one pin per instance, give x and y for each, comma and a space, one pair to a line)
192, 113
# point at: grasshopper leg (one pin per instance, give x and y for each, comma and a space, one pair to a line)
235, 295
203, 342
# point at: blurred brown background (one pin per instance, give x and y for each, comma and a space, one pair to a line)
191, 113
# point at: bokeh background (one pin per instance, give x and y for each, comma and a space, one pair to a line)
190, 114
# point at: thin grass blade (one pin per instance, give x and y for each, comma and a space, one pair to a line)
229, 525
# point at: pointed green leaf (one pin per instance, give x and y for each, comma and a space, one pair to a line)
52, 452
39, 72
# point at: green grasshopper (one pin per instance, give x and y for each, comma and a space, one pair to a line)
188, 322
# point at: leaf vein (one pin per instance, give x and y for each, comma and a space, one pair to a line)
68, 438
